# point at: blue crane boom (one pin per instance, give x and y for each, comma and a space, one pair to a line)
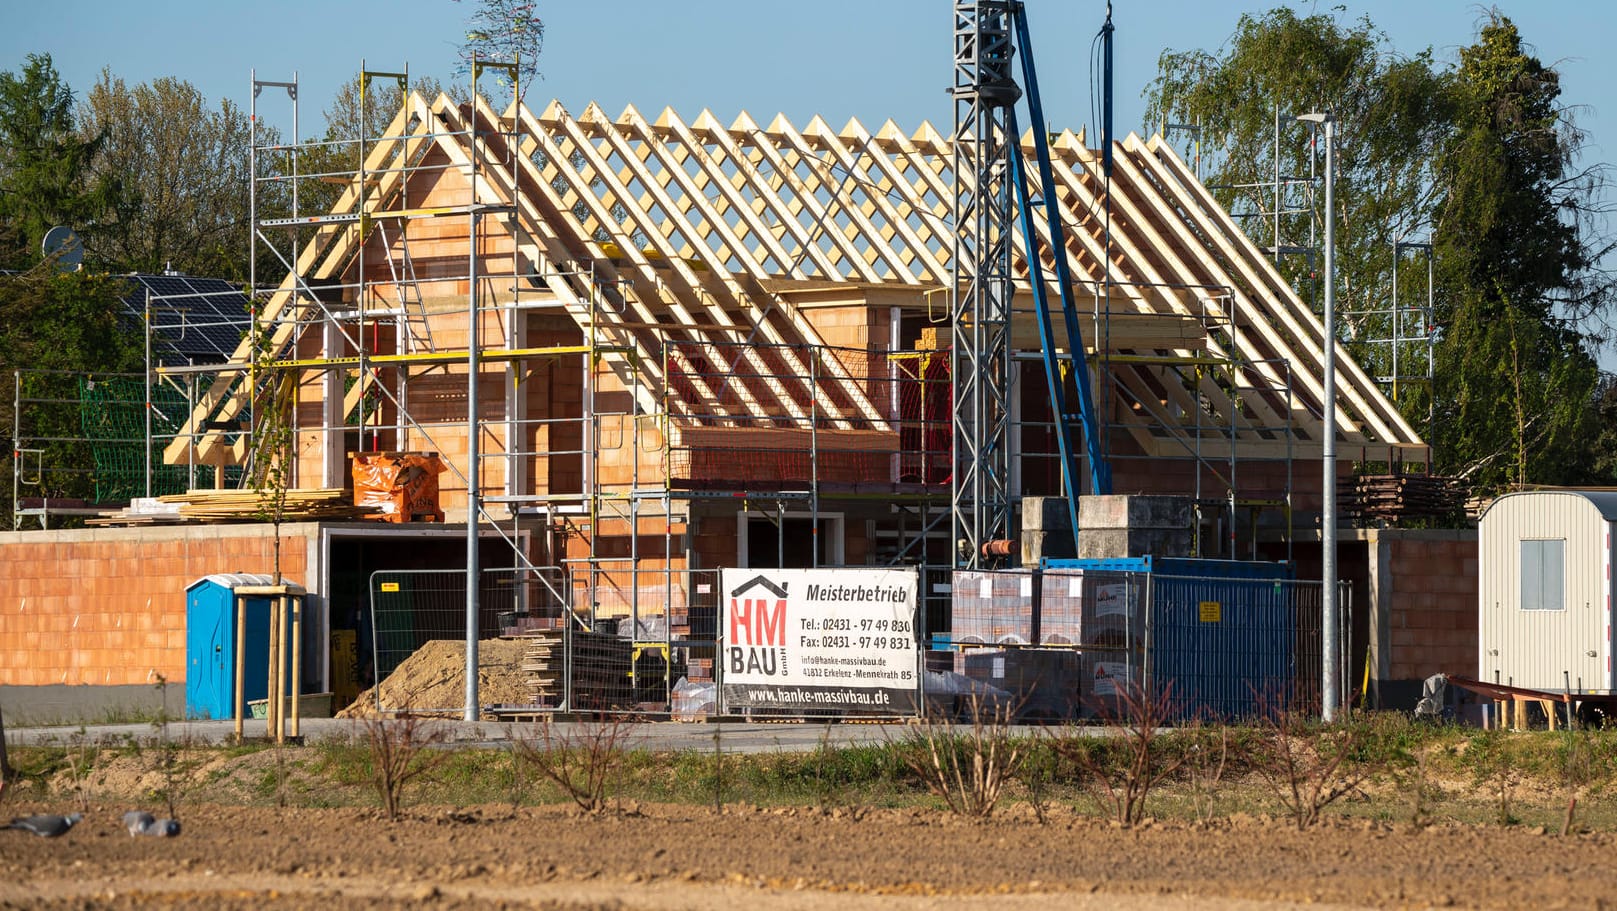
1100, 473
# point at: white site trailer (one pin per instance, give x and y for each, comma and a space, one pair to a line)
1545, 612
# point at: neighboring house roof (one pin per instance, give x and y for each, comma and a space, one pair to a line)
675, 239
194, 320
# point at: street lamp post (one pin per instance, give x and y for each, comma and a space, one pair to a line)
1331, 608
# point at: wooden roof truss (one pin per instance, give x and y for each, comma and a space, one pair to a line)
671, 239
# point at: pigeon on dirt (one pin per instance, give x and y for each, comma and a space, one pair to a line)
140, 822
163, 828
45, 825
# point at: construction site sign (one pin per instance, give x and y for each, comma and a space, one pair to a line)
819, 640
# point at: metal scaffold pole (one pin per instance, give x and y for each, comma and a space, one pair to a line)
473, 506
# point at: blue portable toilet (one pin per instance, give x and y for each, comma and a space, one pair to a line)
210, 644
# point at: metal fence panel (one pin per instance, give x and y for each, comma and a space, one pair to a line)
625, 653
1056, 643
1234, 647
411, 608
1068, 641
695, 695
1059, 643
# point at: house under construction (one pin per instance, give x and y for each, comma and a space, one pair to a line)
699, 344
702, 344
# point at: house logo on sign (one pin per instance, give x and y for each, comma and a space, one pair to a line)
757, 628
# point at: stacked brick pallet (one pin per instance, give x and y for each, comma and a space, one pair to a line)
698, 621
994, 608
600, 670
1056, 640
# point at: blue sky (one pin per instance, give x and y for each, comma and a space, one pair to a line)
871, 59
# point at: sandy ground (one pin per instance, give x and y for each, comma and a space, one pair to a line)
682, 857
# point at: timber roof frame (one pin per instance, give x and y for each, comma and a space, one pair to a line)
695, 232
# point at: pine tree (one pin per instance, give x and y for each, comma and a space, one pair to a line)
45, 165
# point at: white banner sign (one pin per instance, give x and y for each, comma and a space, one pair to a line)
816, 639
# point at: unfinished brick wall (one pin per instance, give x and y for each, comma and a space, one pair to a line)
1431, 603
106, 606
713, 540
1254, 479
855, 326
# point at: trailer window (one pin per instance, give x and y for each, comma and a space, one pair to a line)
1543, 574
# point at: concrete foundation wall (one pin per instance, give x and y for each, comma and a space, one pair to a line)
47, 705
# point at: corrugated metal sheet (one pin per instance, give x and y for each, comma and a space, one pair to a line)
1546, 648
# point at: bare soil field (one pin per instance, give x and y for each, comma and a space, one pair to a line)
680, 856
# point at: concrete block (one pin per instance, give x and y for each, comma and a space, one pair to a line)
1036, 545
1045, 514
1133, 511
1113, 543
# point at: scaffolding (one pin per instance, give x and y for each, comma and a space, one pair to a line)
645, 348
1398, 337
1401, 337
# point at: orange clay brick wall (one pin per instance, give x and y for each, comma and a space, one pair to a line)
107, 606
1432, 608
856, 326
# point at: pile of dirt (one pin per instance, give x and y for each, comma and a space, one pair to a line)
434, 678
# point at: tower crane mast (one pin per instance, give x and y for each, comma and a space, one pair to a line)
992, 201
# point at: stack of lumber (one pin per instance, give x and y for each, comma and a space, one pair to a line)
140, 511
1398, 498
600, 669
260, 505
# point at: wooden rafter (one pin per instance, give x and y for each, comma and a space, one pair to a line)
700, 235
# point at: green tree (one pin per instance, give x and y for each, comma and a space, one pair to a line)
505, 31
1605, 446
183, 166
1391, 111
46, 164
1480, 155
1517, 384
51, 323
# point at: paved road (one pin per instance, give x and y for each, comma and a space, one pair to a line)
734, 736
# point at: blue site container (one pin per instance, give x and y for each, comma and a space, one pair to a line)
210, 644
1225, 633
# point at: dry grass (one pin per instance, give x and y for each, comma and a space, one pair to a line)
968, 766
585, 762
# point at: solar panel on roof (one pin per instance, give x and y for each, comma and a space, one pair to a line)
198, 320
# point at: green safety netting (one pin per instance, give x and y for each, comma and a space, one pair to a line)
112, 415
